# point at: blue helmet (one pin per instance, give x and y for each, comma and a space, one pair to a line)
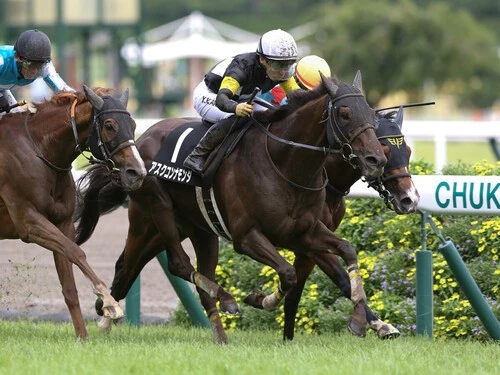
33, 45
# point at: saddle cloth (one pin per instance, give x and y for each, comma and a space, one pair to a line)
167, 164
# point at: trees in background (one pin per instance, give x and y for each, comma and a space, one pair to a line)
401, 46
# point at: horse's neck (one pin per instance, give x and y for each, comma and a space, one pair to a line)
303, 127
54, 131
341, 175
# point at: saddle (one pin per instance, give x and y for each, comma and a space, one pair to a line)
167, 164
224, 149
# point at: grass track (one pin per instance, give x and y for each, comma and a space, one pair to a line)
50, 348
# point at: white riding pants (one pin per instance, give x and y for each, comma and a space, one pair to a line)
204, 104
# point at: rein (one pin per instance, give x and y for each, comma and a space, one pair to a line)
325, 150
39, 152
345, 144
284, 177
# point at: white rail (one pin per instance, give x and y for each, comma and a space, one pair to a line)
440, 132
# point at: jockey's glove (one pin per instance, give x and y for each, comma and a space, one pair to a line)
244, 109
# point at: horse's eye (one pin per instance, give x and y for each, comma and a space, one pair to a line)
108, 125
345, 113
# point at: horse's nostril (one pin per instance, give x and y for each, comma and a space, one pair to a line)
135, 173
371, 160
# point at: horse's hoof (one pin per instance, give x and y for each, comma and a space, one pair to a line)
105, 324
230, 307
357, 329
98, 306
255, 299
113, 312
221, 338
387, 332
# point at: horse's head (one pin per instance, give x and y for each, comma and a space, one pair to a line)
351, 126
395, 185
111, 138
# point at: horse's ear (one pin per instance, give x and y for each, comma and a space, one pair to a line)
124, 98
399, 117
331, 88
93, 98
358, 83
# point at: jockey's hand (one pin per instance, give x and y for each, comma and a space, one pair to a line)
244, 109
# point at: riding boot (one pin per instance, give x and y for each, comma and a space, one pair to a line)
215, 135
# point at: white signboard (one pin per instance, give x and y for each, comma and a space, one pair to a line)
449, 194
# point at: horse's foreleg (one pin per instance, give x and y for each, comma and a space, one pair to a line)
303, 266
322, 240
33, 227
330, 265
140, 248
206, 247
70, 293
259, 248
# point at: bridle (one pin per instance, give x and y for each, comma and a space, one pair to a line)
335, 136
105, 150
378, 184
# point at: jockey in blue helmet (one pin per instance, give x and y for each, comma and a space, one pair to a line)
27, 60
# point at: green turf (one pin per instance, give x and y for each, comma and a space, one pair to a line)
48, 348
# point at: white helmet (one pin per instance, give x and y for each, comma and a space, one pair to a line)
277, 45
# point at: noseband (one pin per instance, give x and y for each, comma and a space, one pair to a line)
102, 152
335, 134
378, 183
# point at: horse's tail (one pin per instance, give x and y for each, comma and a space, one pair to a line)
99, 191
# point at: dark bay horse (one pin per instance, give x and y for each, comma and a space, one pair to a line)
37, 191
269, 194
399, 192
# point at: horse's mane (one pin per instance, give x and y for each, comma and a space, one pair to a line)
295, 100
64, 98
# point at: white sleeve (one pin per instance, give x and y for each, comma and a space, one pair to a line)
53, 79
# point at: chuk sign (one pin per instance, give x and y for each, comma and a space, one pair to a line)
450, 194
459, 194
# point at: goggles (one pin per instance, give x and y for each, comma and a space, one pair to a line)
32, 65
280, 65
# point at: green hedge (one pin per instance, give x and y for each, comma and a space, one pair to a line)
386, 245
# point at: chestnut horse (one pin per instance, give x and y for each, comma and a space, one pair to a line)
395, 187
269, 194
37, 194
